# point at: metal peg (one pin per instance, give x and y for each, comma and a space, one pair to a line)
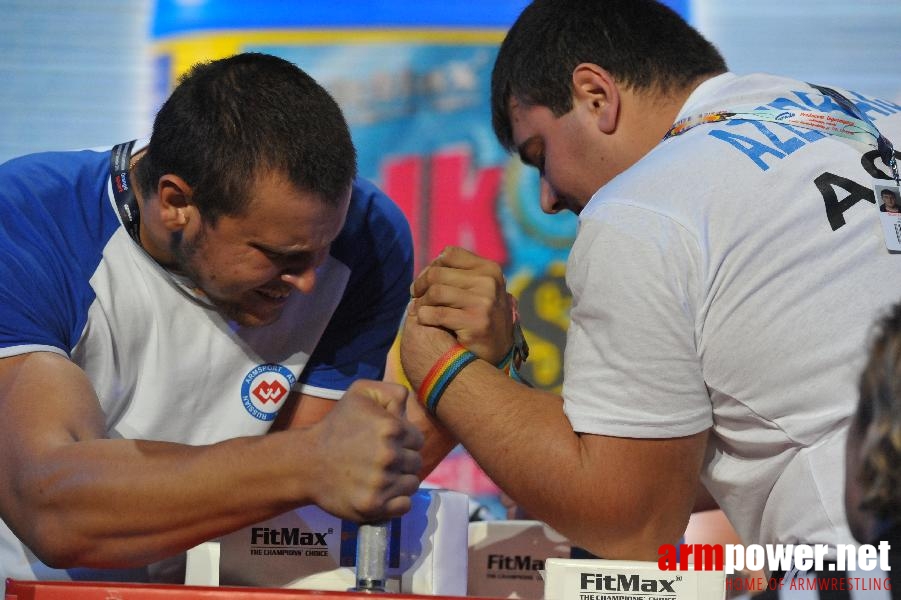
372, 557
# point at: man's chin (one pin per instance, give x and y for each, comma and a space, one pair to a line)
256, 319
246, 318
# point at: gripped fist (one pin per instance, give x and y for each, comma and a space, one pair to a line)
369, 454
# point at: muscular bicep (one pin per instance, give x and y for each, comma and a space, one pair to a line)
47, 402
650, 485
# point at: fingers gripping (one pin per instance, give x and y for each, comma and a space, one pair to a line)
375, 457
390, 396
466, 294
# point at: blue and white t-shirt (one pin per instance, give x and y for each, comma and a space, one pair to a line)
165, 365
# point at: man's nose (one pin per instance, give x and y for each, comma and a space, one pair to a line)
301, 272
302, 279
550, 203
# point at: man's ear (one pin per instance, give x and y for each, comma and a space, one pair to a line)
175, 205
595, 89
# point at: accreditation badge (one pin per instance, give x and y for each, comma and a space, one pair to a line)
888, 199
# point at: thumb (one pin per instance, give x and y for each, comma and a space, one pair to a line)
390, 396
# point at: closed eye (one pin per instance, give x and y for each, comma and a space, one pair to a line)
279, 256
531, 153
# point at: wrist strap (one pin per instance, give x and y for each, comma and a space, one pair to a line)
508, 366
441, 374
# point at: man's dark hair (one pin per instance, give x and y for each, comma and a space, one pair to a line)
888, 192
642, 43
877, 422
231, 120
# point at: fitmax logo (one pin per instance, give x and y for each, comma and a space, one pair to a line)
287, 536
597, 582
514, 563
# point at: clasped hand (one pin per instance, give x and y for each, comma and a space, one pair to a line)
459, 297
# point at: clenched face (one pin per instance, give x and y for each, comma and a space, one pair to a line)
608, 128
569, 153
249, 265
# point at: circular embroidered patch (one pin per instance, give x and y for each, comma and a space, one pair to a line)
265, 389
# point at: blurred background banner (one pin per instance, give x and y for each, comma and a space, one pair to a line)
413, 78
414, 82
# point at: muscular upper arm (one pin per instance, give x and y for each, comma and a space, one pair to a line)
46, 402
650, 484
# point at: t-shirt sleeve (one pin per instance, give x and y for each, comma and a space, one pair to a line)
34, 313
378, 245
631, 361
43, 288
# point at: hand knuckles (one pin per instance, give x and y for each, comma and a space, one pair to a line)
424, 281
415, 438
484, 282
433, 276
482, 321
451, 251
425, 315
412, 483
436, 294
370, 508
415, 464
485, 304
441, 313
389, 460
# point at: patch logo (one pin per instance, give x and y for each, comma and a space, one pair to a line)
264, 390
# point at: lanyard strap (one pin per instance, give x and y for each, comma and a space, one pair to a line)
886, 150
851, 124
123, 194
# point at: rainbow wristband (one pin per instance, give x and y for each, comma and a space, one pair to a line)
441, 374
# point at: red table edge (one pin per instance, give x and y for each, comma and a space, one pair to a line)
96, 590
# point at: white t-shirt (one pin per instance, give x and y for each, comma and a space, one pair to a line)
730, 279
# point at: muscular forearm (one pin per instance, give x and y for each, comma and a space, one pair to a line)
600, 500
618, 497
439, 440
125, 503
78, 498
